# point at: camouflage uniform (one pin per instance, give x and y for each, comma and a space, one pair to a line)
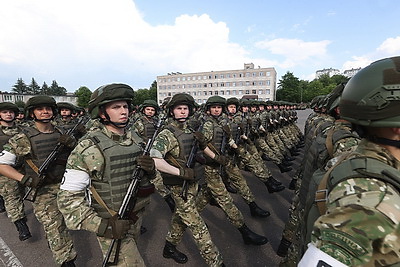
45, 205
186, 213
88, 159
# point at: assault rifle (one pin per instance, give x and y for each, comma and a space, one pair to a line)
129, 201
42, 171
189, 161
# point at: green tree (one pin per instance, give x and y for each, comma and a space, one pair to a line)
20, 103
55, 89
19, 87
33, 87
83, 94
45, 90
144, 94
289, 88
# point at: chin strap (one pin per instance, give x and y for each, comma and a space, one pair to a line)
115, 124
385, 141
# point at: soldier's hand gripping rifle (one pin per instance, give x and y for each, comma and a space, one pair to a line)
190, 160
31, 193
128, 203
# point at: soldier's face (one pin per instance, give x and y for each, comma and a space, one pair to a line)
261, 108
65, 112
7, 115
253, 109
245, 109
181, 112
149, 111
43, 113
117, 111
215, 110
232, 109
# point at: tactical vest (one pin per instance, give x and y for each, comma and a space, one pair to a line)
358, 167
185, 141
42, 144
149, 128
218, 135
3, 138
119, 164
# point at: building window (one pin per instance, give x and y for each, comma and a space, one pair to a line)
268, 91
234, 92
234, 75
169, 93
247, 83
221, 92
228, 92
241, 84
240, 92
169, 87
173, 86
247, 74
261, 73
228, 75
178, 79
194, 93
209, 77
268, 82
254, 92
221, 76
215, 92
222, 84
247, 92
183, 86
240, 75
233, 84
210, 85
210, 92
268, 73
260, 83
260, 92
254, 74
204, 92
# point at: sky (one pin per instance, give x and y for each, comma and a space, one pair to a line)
95, 42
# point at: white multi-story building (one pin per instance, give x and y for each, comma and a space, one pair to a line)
254, 83
329, 72
351, 73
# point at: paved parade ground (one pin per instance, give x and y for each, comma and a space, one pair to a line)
34, 252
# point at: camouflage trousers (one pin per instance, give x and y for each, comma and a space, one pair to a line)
11, 192
129, 254
254, 164
48, 214
215, 188
282, 148
161, 188
187, 215
264, 148
238, 181
269, 138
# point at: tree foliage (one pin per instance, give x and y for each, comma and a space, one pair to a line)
143, 94
19, 87
291, 88
33, 88
83, 94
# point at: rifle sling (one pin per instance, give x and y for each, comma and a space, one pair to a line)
33, 166
99, 200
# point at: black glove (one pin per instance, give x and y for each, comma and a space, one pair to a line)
114, 228
199, 136
221, 160
146, 163
226, 130
186, 173
31, 181
67, 140
242, 126
81, 129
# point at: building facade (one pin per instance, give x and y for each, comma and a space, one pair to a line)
249, 82
348, 73
14, 97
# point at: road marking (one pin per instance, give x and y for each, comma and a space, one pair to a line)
7, 257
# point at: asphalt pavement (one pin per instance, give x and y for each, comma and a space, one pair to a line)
35, 252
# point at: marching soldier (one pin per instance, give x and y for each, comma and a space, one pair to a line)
171, 151
104, 160
33, 145
11, 189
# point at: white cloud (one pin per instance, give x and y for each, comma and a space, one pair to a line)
390, 46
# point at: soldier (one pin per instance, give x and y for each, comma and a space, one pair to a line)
171, 150
10, 189
33, 145
145, 126
65, 111
105, 158
359, 222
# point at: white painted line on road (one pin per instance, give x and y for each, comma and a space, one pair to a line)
7, 257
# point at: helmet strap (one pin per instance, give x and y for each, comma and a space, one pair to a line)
108, 121
385, 141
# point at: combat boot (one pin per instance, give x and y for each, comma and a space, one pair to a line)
230, 188
170, 251
23, 229
256, 211
284, 168
2, 207
274, 181
283, 247
170, 202
292, 185
251, 238
273, 187
70, 263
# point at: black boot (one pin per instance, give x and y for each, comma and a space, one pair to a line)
23, 229
2, 207
284, 168
274, 181
273, 187
283, 247
70, 263
251, 238
286, 163
292, 185
230, 188
256, 211
170, 202
170, 251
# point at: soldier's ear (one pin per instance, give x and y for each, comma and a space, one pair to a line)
396, 131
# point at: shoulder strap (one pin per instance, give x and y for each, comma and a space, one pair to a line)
329, 142
99, 200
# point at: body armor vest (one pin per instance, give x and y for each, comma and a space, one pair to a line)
42, 144
185, 141
3, 138
119, 164
149, 128
218, 135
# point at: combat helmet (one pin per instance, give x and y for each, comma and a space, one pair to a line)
180, 99
372, 96
109, 93
232, 101
65, 105
9, 106
215, 100
149, 103
40, 101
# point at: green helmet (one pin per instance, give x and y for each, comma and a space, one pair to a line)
372, 96
149, 103
232, 101
65, 105
181, 99
40, 101
9, 106
215, 100
109, 93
